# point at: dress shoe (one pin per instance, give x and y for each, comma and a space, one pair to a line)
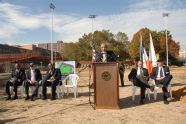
32, 99
44, 98
27, 98
8, 98
166, 101
14, 98
53, 98
142, 101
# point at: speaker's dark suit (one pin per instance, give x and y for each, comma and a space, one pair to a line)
57, 76
17, 78
38, 78
111, 57
140, 80
165, 81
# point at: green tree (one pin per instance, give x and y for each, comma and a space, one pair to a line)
121, 45
70, 51
82, 50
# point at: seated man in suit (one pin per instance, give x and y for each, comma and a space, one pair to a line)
104, 55
139, 77
17, 77
51, 79
33, 78
162, 77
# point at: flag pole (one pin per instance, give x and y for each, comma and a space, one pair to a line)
140, 44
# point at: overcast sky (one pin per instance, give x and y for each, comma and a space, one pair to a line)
29, 21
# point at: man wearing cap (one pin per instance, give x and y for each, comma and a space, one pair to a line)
33, 78
162, 77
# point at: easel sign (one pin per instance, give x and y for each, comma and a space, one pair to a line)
66, 67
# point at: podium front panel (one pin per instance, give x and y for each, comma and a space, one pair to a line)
106, 85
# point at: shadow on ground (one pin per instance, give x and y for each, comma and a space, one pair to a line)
127, 102
5, 121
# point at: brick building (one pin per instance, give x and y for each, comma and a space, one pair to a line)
57, 47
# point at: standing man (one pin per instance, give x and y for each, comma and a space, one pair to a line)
121, 73
162, 78
139, 77
104, 55
51, 79
33, 78
17, 78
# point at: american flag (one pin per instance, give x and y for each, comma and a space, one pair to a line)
93, 53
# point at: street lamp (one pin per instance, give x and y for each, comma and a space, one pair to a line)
52, 7
165, 15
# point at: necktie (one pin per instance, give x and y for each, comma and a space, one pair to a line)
161, 72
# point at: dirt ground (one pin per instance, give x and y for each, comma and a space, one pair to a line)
69, 110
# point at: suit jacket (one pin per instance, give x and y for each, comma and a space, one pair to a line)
155, 71
133, 74
37, 73
20, 75
111, 57
55, 73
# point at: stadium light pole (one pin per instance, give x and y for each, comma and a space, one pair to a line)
92, 17
165, 15
52, 7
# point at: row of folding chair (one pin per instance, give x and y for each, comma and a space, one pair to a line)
69, 82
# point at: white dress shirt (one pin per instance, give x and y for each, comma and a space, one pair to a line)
139, 71
159, 69
33, 79
104, 57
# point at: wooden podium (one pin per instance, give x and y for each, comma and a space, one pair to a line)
106, 87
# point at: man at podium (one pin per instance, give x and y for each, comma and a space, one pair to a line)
105, 55
105, 71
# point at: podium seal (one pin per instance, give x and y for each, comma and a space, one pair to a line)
106, 76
